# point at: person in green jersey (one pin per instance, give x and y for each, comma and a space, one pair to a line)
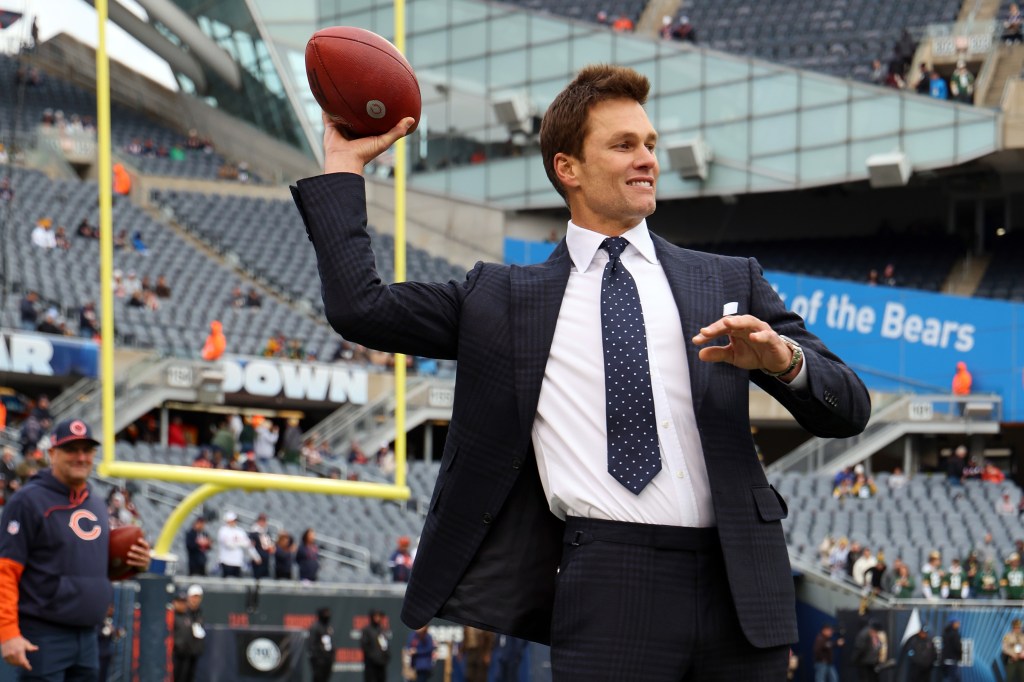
986, 582
1013, 578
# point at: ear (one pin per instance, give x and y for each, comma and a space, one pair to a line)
565, 168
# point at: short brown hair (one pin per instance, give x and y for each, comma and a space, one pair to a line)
565, 123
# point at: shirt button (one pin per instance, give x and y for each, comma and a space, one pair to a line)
680, 474
665, 423
487, 518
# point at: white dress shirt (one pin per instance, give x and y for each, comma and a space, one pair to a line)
569, 431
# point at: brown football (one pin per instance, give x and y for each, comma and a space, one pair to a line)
361, 80
121, 540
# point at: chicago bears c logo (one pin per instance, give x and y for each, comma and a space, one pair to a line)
78, 428
76, 525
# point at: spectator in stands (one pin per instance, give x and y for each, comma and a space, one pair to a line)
1013, 652
284, 556
139, 244
259, 534
1012, 32
265, 443
197, 544
685, 31
400, 561
874, 575
122, 181
863, 486
308, 557
237, 299
386, 460
961, 84
88, 324
121, 240
86, 230
837, 558
878, 72
247, 436
176, 432
959, 586
60, 238
215, 344
962, 382
1013, 578
1005, 506
824, 655
42, 234
162, 288
861, 565
202, 459
253, 299
310, 455
275, 346
295, 349
233, 545
990, 473
933, 577
894, 80
987, 550
897, 479
291, 442
6, 191
29, 314
937, 88
223, 439
904, 585
955, 466
622, 24
356, 455
50, 323
922, 656
986, 583
666, 34
120, 511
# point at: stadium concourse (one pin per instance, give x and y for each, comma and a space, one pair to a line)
206, 232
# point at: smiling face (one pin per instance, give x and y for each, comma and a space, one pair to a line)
611, 185
72, 463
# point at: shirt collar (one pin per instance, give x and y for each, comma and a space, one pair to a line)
583, 244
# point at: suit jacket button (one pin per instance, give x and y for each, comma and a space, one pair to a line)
487, 518
516, 463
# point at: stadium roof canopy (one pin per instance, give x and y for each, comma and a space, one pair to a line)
487, 71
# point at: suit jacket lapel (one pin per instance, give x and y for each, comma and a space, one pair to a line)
537, 293
698, 298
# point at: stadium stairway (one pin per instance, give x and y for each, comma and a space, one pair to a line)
902, 415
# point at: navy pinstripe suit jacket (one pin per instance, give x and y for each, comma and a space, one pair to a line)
490, 547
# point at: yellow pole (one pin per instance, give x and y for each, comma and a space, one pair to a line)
180, 514
106, 301
400, 158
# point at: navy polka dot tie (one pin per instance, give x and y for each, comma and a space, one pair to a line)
633, 454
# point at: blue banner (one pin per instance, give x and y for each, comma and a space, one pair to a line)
48, 355
910, 341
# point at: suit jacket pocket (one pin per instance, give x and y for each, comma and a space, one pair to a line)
770, 504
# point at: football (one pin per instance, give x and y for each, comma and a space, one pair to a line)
361, 80
121, 540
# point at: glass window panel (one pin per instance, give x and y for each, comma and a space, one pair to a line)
729, 141
974, 139
469, 11
823, 126
722, 70
681, 72
593, 49
506, 177
920, 112
819, 164
542, 93
677, 112
468, 41
727, 102
508, 32
548, 61
727, 179
507, 69
271, 10
544, 29
861, 150
930, 148
469, 76
359, 19
426, 16
780, 167
384, 22
873, 117
774, 93
425, 49
773, 134
815, 91
468, 181
629, 50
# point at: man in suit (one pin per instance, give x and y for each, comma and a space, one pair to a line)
652, 550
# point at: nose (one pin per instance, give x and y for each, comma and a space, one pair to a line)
646, 158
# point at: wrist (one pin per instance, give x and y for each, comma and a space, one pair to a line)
337, 162
796, 361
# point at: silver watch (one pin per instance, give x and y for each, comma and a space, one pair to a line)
798, 355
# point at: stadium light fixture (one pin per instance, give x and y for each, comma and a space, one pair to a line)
891, 169
690, 158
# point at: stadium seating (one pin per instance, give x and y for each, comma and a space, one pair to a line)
1003, 276
837, 37
920, 262
269, 239
23, 115
200, 284
368, 523
904, 523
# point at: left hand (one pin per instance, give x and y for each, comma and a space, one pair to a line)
753, 344
138, 555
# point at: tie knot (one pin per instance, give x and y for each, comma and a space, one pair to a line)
614, 246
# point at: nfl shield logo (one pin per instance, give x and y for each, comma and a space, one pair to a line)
13, 527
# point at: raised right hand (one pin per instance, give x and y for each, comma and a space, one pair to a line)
15, 651
344, 155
